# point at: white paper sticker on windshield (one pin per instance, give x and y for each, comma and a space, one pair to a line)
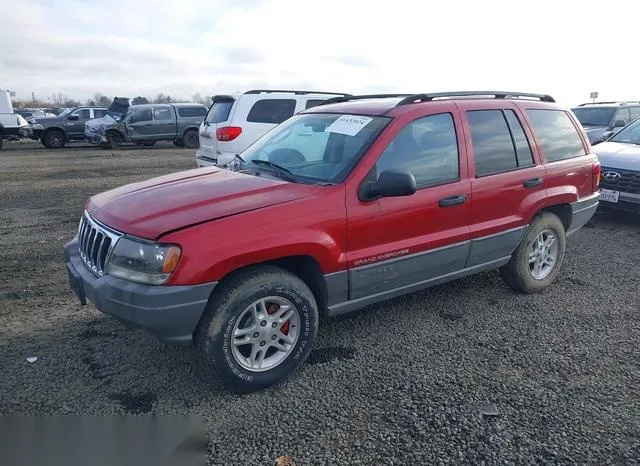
349, 124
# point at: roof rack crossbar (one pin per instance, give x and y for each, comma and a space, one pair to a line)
348, 98
296, 92
496, 94
622, 102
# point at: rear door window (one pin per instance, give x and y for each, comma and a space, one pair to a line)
557, 134
635, 112
273, 111
495, 149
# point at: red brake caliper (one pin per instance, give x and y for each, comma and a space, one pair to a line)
271, 309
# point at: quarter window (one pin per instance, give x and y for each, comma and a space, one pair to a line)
273, 111
499, 142
313, 102
427, 148
557, 134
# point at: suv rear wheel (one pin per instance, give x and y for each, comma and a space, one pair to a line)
54, 139
538, 259
258, 328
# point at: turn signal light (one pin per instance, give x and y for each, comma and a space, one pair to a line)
228, 133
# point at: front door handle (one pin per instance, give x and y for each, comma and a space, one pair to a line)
533, 182
452, 200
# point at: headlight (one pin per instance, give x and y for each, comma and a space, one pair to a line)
142, 262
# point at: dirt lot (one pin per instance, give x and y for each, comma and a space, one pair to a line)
403, 382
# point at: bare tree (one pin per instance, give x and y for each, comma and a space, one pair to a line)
139, 100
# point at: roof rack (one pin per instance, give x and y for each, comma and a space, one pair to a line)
347, 98
621, 102
496, 94
260, 91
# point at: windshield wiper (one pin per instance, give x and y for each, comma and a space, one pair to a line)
284, 173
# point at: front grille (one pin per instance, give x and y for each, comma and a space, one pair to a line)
95, 244
628, 182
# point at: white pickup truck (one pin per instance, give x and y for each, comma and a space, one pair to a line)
12, 126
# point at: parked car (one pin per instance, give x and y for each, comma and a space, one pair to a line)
30, 114
343, 205
602, 117
619, 156
55, 132
234, 122
146, 124
12, 126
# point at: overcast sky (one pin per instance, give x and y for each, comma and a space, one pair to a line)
143, 47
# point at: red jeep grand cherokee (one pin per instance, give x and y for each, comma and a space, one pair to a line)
360, 199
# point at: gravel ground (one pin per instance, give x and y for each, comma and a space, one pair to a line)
561, 369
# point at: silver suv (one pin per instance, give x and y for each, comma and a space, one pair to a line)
602, 117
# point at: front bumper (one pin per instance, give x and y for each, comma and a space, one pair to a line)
625, 202
25, 132
170, 313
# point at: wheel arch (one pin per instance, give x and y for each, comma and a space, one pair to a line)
305, 267
189, 128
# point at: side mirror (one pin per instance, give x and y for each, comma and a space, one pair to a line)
390, 183
74, 117
619, 123
607, 135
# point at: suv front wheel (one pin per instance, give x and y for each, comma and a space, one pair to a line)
258, 328
538, 259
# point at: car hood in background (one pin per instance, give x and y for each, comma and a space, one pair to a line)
167, 203
622, 155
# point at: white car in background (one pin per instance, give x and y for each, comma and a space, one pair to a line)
234, 122
619, 157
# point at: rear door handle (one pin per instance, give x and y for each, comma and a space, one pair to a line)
452, 200
532, 182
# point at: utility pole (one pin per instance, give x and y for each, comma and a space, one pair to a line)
33, 96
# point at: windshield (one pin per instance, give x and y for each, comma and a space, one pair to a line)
65, 112
630, 133
315, 147
594, 116
219, 111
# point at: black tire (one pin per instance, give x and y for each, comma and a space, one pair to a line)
178, 143
54, 139
227, 306
191, 139
113, 140
517, 272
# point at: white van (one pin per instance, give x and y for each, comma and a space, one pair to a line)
234, 122
12, 126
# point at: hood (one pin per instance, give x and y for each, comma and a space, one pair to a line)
151, 208
98, 126
118, 107
621, 155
